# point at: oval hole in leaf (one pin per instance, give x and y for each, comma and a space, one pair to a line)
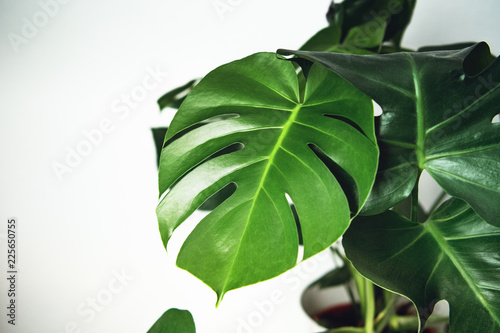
345, 180
201, 123
296, 218
496, 119
377, 109
226, 150
347, 121
219, 197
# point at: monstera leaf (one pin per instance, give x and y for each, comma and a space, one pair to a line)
174, 321
437, 115
319, 150
455, 256
365, 39
354, 13
175, 97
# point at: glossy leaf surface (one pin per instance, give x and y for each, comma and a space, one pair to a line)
216, 199
455, 256
437, 115
319, 150
174, 321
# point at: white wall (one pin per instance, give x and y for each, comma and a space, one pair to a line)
77, 232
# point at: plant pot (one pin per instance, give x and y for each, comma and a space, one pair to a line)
344, 315
331, 308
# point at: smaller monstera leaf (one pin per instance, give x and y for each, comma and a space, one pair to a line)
355, 13
454, 256
365, 39
174, 321
175, 97
438, 108
319, 150
357, 41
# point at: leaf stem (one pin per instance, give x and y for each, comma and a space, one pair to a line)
352, 298
346, 330
386, 314
360, 286
366, 297
369, 306
406, 323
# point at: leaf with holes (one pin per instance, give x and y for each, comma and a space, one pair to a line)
455, 256
437, 115
320, 151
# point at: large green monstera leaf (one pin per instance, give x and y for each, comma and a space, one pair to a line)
437, 115
319, 149
455, 256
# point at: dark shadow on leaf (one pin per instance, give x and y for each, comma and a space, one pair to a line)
345, 180
477, 60
197, 125
297, 223
347, 121
159, 137
219, 197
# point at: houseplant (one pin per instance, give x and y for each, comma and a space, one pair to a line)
263, 134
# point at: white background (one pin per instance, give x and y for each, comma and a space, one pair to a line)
78, 232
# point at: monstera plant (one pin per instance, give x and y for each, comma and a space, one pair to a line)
285, 151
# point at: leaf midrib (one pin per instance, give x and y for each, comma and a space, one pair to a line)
448, 251
269, 87
461, 152
463, 179
286, 128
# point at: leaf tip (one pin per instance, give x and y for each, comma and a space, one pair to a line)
220, 296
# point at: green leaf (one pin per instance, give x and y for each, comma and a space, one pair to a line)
174, 321
176, 96
320, 151
437, 115
367, 35
364, 39
455, 256
216, 199
354, 13
323, 40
